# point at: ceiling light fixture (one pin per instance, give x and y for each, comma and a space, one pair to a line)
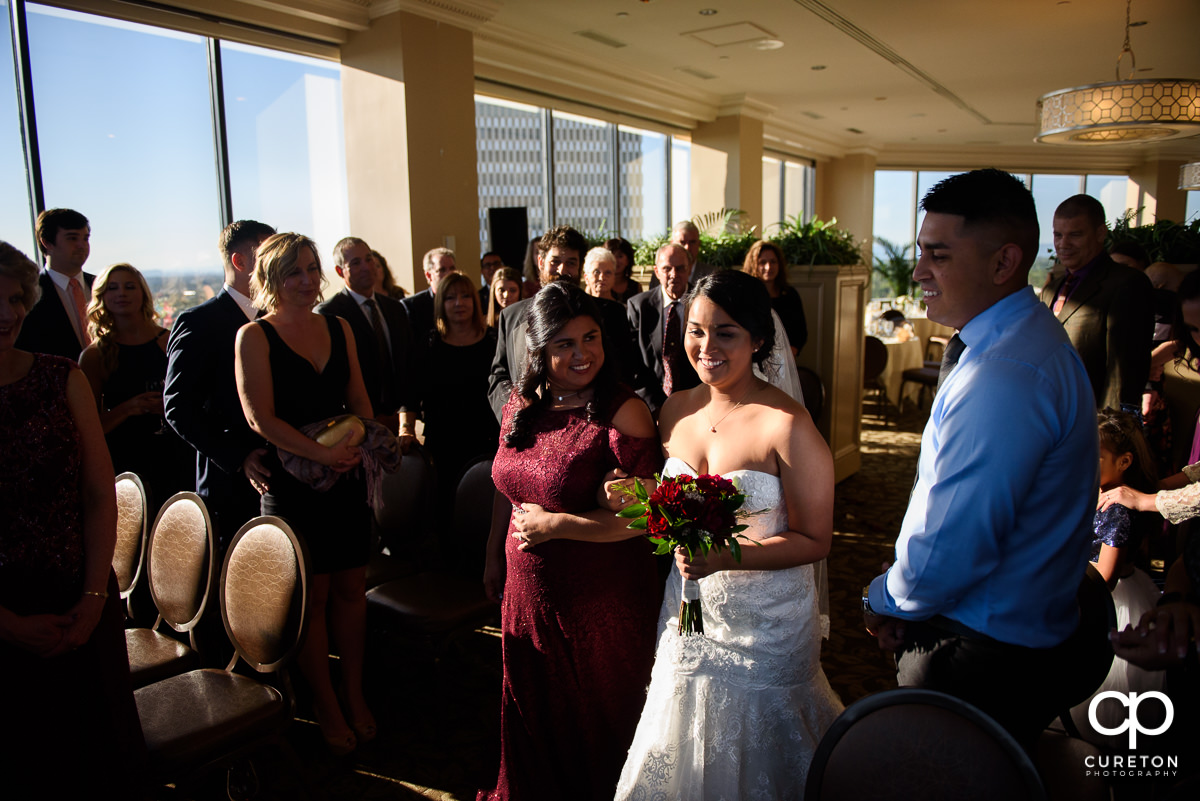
1121, 111
707, 12
1189, 176
767, 44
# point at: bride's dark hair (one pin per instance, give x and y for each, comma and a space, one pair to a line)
554, 306
744, 298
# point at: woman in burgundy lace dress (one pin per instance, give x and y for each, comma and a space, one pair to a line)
69, 727
579, 590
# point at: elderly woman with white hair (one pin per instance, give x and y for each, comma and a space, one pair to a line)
599, 273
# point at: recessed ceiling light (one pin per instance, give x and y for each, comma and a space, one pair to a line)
722, 58
622, 14
707, 12
768, 44
817, 67
881, 98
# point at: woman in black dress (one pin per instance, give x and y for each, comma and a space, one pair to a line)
452, 380
126, 365
296, 367
765, 261
624, 287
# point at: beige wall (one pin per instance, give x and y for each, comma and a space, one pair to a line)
846, 191
408, 91
727, 166
1154, 188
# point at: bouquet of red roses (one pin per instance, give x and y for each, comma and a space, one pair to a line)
698, 514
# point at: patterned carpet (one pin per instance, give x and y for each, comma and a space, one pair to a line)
439, 720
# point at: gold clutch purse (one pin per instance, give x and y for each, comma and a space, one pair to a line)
338, 427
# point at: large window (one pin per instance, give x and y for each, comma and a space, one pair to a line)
898, 218
604, 179
787, 189
125, 135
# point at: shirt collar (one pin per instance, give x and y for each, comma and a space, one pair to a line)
666, 299
63, 281
992, 321
244, 303
359, 299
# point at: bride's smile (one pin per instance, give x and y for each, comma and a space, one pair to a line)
719, 348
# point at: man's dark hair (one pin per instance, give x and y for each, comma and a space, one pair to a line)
51, 221
991, 199
485, 255
1082, 206
240, 233
564, 237
1131, 249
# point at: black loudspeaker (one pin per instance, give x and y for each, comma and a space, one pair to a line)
508, 234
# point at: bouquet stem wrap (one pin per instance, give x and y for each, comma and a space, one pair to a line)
691, 620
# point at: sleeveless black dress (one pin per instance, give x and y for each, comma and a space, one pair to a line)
336, 525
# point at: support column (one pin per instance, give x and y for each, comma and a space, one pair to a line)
408, 97
1154, 188
727, 161
846, 190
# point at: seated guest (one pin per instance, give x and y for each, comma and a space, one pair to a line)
437, 264
386, 283
58, 323
126, 366
624, 287
991, 551
765, 261
70, 725
599, 267
504, 292
452, 383
381, 336
657, 319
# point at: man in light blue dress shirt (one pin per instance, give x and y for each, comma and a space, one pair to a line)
981, 599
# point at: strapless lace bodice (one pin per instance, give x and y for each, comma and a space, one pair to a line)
738, 711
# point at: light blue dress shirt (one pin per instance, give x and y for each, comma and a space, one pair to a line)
999, 524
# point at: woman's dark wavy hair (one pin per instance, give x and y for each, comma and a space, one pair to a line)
1187, 346
618, 245
555, 305
744, 298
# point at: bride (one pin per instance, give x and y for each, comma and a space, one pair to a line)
738, 711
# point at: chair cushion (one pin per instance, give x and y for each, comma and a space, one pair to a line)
153, 656
431, 603
188, 718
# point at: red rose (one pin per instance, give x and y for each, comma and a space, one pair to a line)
714, 518
657, 526
711, 485
667, 494
684, 478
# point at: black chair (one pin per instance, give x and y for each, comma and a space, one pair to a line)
208, 718
926, 376
919, 745
875, 359
814, 392
400, 519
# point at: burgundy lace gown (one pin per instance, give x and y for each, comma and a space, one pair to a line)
579, 618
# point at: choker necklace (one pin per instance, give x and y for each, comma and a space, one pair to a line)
712, 427
564, 396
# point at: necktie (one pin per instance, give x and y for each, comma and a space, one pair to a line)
1064, 292
671, 347
384, 353
77, 295
954, 349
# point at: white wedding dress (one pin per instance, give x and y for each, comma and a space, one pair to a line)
735, 713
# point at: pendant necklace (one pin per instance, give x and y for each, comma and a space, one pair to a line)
712, 427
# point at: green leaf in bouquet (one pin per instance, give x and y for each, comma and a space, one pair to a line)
662, 548
636, 510
672, 521
737, 529
639, 490
639, 524
735, 549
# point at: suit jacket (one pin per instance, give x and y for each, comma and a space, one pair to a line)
202, 405
646, 319
1109, 318
399, 393
419, 307
47, 328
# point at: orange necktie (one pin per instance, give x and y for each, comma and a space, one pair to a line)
80, 310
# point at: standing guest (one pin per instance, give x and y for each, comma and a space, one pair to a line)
1106, 308
599, 269
505, 291
386, 282
687, 236
126, 366
1131, 254
70, 725
530, 270
578, 609
992, 548
295, 368
624, 287
58, 324
437, 264
657, 319
765, 261
453, 376
381, 335
201, 398
488, 264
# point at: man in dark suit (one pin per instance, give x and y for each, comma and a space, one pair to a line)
437, 264
1106, 308
381, 336
57, 324
658, 322
201, 398
488, 264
